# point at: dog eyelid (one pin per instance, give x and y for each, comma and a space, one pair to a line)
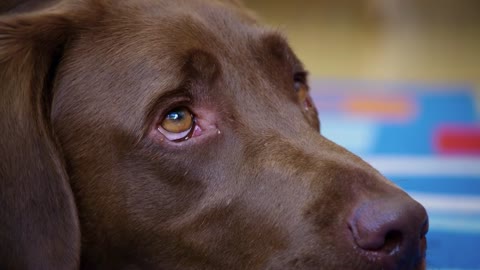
301, 77
174, 137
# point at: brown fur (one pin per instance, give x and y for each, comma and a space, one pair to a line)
87, 182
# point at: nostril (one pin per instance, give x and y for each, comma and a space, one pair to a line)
376, 236
393, 242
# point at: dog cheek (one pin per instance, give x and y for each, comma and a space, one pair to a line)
310, 111
239, 236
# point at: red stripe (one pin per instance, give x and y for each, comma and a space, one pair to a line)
458, 140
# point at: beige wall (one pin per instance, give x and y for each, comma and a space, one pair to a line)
394, 40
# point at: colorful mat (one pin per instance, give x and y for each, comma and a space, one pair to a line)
427, 140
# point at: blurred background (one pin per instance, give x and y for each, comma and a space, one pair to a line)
398, 83
414, 40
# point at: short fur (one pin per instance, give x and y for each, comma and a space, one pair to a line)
87, 181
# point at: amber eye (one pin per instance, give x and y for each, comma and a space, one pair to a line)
177, 124
301, 87
300, 84
302, 91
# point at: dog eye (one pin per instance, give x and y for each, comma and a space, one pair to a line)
300, 83
303, 95
177, 124
301, 88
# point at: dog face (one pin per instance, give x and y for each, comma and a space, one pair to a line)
189, 140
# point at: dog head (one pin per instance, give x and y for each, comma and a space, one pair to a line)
179, 135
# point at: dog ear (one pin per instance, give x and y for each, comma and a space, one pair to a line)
39, 226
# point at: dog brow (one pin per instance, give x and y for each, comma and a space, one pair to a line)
278, 46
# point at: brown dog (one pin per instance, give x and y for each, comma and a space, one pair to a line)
152, 134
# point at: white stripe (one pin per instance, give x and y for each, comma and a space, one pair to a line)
426, 166
454, 224
436, 268
447, 203
451, 213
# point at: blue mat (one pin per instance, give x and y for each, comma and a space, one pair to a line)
397, 128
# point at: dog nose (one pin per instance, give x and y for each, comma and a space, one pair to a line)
390, 226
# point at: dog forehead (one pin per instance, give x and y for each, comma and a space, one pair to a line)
167, 30
141, 48
197, 23
153, 7
217, 14
159, 36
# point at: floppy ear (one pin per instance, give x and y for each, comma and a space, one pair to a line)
38, 221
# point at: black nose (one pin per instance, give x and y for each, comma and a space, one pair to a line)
390, 227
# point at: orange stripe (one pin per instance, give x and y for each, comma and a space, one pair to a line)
389, 107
